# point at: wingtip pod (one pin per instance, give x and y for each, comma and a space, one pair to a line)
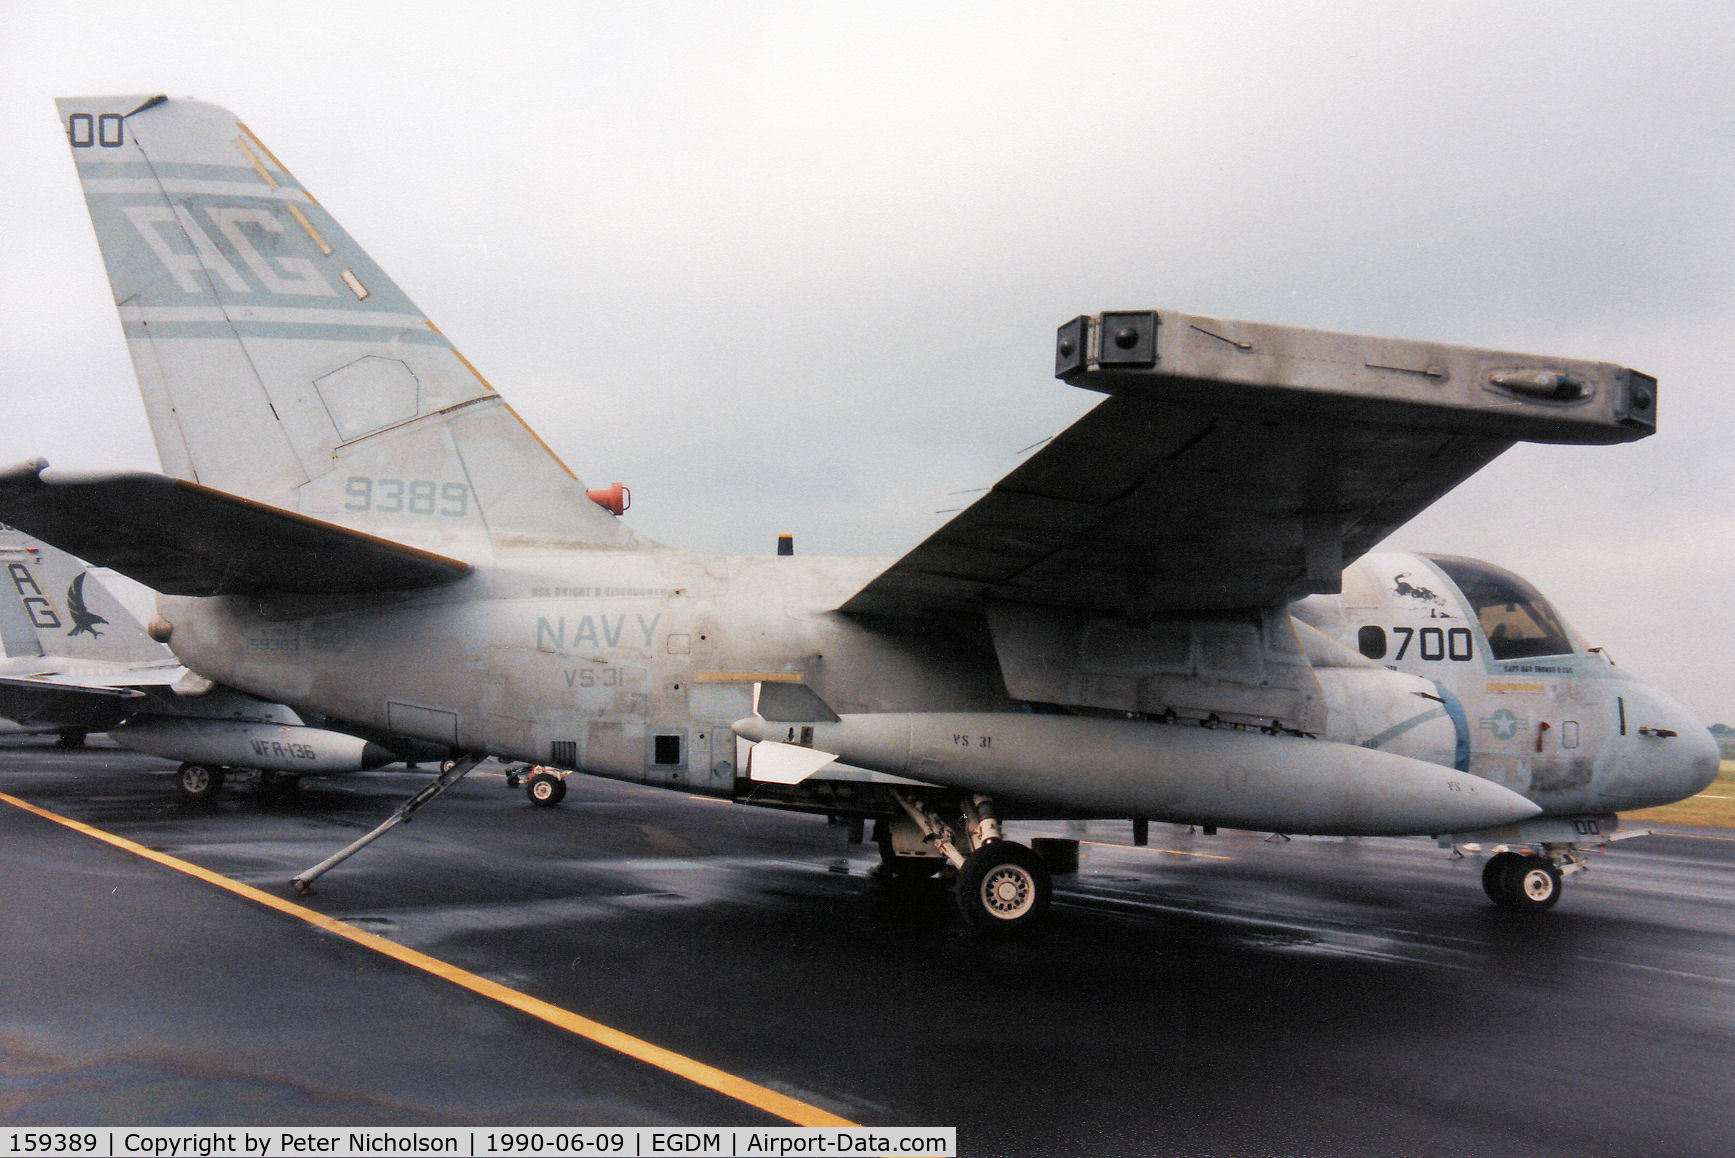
1281, 369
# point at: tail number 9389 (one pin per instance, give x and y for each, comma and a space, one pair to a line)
391, 496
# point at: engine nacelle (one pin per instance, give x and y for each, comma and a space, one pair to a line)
249, 744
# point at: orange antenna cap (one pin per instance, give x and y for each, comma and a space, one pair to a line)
614, 498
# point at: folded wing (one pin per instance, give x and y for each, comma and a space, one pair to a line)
1238, 466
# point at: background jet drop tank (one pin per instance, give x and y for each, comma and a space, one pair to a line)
251, 744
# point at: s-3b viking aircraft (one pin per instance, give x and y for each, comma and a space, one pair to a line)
1168, 613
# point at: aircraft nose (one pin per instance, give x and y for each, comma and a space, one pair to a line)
1703, 757
1680, 755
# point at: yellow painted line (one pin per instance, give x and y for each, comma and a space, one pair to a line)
253, 160
459, 354
265, 175
747, 677
301, 219
266, 149
528, 429
638, 1049
354, 283
1164, 851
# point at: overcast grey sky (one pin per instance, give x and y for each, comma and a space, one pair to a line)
797, 267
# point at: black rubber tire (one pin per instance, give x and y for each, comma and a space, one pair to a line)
1003, 887
1494, 877
1533, 884
199, 783
545, 790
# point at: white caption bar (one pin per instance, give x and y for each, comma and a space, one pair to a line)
616, 1142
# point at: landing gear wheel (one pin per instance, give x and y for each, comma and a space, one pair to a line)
1494, 877
1534, 884
199, 782
1521, 881
546, 790
1002, 887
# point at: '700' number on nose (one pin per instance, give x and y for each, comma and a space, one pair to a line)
1436, 644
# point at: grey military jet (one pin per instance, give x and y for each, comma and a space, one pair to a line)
77, 661
1168, 613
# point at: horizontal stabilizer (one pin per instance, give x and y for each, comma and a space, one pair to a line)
30, 701
185, 539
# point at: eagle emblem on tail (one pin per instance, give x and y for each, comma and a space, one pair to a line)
83, 618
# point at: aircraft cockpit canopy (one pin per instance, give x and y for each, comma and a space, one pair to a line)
1518, 621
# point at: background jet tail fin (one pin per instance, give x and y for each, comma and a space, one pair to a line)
279, 363
52, 604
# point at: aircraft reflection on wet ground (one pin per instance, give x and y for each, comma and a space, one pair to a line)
1225, 995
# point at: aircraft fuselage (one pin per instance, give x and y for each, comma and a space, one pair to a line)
634, 664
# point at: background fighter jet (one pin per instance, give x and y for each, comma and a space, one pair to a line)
1160, 615
56, 677
77, 661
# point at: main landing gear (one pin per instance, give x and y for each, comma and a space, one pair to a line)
1001, 885
199, 783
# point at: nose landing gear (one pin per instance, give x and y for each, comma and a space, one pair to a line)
1522, 881
1532, 858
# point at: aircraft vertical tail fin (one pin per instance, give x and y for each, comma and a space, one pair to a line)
17, 634
50, 604
278, 362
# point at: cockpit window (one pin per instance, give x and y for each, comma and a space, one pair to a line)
1517, 620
